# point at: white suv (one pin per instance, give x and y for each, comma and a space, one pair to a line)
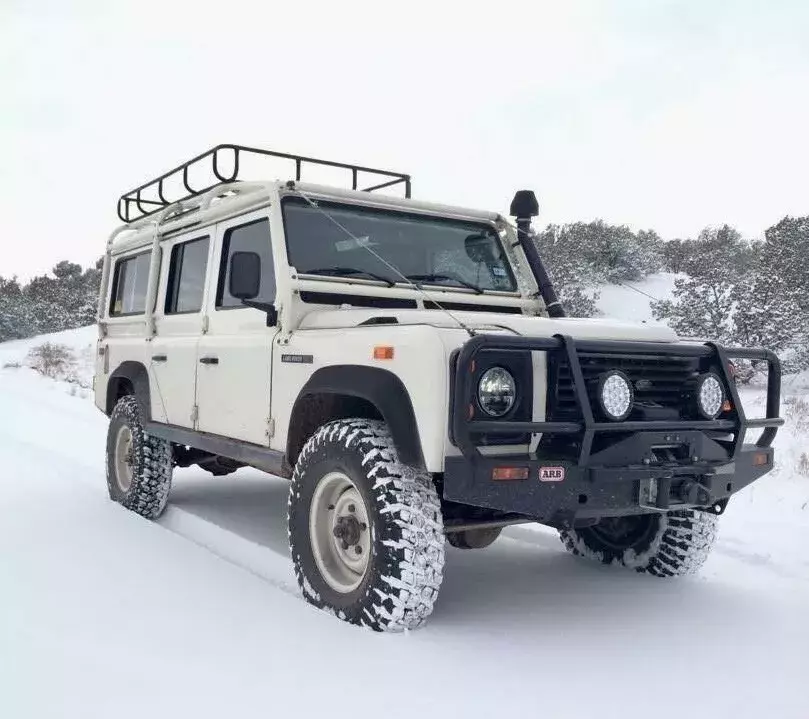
409, 367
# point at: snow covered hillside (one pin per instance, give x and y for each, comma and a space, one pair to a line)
105, 614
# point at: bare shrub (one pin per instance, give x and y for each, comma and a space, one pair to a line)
53, 360
11, 365
796, 410
803, 465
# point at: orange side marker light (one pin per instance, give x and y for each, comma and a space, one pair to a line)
760, 459
383, 352
508, 473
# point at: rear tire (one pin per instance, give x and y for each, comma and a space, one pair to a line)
139, 465
365, 530
663, 545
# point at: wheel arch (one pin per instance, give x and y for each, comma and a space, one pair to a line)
129, 378
343, 391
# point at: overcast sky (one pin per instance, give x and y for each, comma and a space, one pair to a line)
669, 114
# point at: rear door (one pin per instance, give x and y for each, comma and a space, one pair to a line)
235, 354
179, 322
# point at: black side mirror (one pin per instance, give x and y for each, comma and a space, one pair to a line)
245, 275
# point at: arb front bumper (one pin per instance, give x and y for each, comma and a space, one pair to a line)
584, 467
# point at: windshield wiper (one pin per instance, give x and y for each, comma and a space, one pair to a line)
338, 271
438, 277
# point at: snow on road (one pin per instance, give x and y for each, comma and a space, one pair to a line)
104, 614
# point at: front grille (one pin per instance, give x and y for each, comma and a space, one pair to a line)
658, 381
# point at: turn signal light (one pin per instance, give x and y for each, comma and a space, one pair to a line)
383, 352
508, 473
760, 459
727, 406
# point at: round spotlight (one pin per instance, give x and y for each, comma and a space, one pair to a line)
497, 391
615, 395
710, 395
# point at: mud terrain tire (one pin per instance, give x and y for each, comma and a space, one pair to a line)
350, 493
663, 545
139, 465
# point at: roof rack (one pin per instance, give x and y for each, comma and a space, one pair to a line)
150, 197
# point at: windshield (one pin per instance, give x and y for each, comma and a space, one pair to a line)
427, 250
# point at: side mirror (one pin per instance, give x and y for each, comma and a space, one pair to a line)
245, 275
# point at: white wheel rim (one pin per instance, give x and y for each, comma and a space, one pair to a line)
339, 532
123, 459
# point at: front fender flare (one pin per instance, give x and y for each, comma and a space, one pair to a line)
383, 389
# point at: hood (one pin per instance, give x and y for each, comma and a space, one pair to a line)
581, 328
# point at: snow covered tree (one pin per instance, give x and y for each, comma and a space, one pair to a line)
704, 300
783, 277
49, 303
573, 278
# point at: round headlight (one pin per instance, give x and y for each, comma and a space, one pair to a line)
496, 391
615, 395
710, 395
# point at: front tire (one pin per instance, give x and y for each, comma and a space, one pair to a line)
139, 465
365, 530
664, 545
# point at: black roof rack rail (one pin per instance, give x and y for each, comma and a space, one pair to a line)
148, 198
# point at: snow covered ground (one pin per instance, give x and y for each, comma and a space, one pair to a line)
104, 614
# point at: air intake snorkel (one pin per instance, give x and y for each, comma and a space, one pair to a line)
524, 206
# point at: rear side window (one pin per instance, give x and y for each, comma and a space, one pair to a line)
252, 237
129, 283
186, 285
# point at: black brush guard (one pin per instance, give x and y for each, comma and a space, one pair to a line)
592, 487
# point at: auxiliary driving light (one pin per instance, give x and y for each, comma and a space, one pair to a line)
710, 395
615, 395
497, 391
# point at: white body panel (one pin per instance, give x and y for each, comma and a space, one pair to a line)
420, 362
233, 396
582, 328
250, 394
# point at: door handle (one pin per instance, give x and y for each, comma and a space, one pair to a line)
209, 360
159, 358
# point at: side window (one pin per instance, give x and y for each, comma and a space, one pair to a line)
129, 283
252, 237
186, 284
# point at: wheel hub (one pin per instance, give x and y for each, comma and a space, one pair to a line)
347, 530
339, 532
124, 458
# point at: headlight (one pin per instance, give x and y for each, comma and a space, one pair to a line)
496, 391
710, 395
615, 395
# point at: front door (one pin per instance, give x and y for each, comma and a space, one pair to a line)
179, 320
234, 355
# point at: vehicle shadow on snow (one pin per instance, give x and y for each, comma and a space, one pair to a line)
248, 503
525, 574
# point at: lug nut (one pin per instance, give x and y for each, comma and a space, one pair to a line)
358, 549
352, 508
